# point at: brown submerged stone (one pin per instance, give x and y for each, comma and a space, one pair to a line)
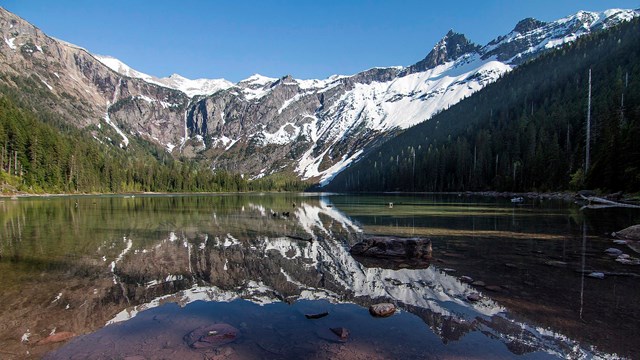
343, 333
57, 337
211, 336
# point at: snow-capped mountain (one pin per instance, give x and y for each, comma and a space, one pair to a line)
190, 87
263, 125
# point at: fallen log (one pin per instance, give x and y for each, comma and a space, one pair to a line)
602, 203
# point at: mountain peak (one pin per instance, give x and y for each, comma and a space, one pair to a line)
451, 47
528, 24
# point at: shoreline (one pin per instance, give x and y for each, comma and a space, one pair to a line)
568, 196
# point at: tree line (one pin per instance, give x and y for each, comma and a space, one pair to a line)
526, 131
38, 156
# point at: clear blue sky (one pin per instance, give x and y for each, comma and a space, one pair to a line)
233, 39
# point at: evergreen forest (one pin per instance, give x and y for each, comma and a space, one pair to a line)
527, 131
40, 154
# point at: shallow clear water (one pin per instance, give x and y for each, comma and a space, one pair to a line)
156, 267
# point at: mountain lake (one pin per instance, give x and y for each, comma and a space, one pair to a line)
131, 277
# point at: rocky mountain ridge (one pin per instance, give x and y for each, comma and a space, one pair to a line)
264, 125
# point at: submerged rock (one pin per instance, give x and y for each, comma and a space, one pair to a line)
393, 247
596, 275
343, 333
630, 233
382, 309
210, 336
613, 252
57, 337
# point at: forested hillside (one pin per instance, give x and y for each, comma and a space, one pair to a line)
40, 154
526, 131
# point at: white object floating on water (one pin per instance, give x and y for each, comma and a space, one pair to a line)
596, 275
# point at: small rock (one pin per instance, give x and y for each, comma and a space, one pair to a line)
495, 288
623, 256
342, 333
478, 283
466, 279
596, 275
473, 297
382, 309
556, 263
613, 251
628, 261
57, 337
316, 316
620, 242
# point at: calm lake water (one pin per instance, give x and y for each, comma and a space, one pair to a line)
127, 277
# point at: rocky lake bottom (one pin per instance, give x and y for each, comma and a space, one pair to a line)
234, 276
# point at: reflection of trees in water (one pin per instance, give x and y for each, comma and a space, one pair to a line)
232, 244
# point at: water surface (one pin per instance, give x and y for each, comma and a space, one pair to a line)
156, 267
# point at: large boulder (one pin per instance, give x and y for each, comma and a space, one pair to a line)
630, 233
390, 247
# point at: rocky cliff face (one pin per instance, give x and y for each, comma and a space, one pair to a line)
72, 82
263, 125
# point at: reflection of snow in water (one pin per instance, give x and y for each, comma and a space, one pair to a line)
430, 289
119, 258
259, 208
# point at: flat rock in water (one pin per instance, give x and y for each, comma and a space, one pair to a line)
596, 275
495, 288
613, 251
630, 233
478, 283
211, 336
57, 337
382, 309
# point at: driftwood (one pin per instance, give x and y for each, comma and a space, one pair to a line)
602, 203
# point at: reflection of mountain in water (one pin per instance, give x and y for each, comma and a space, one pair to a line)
258, 255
